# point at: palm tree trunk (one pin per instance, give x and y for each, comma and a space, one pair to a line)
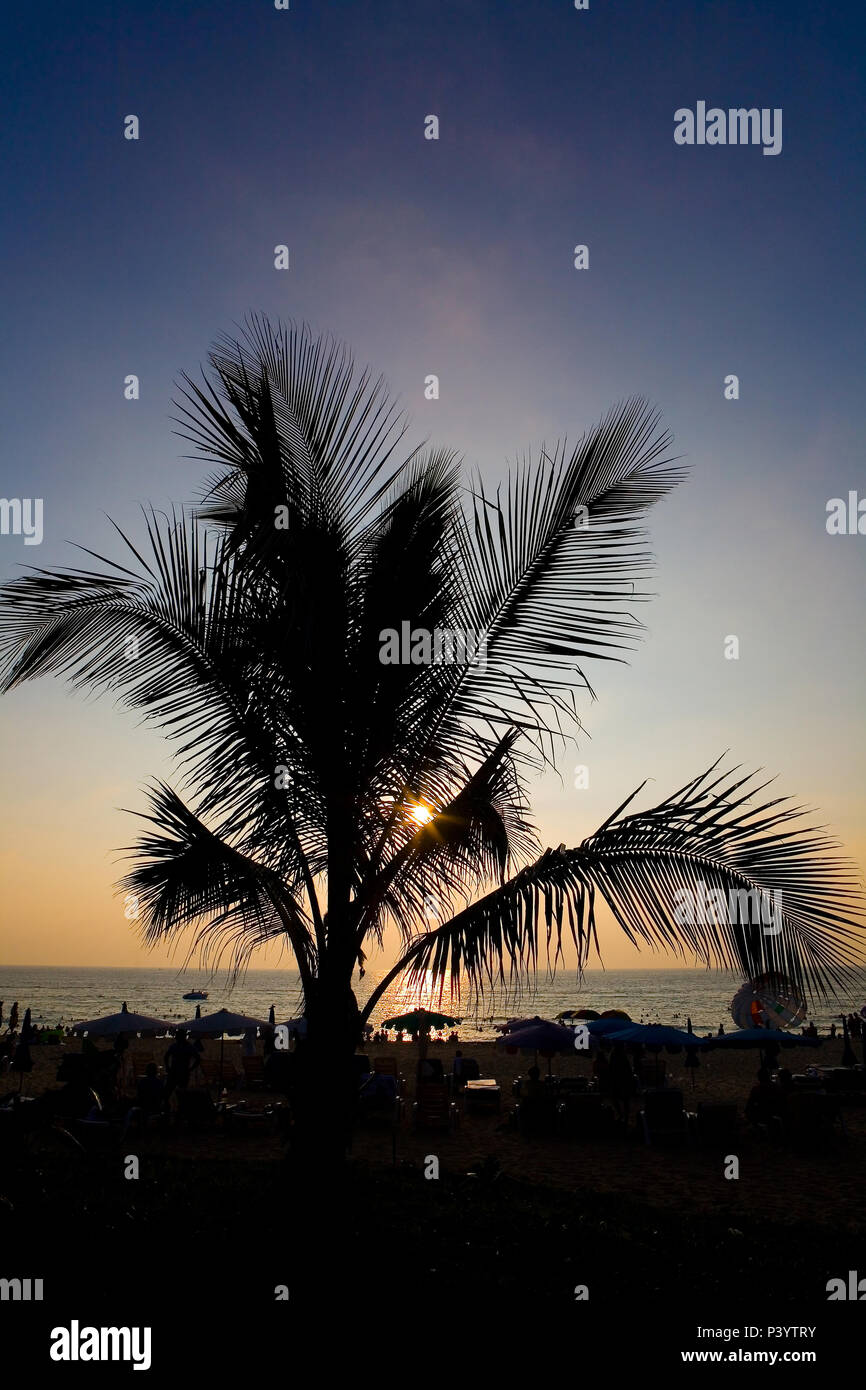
327, 1092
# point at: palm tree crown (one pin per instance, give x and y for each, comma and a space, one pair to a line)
359, 662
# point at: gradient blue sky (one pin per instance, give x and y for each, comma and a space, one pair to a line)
453, 257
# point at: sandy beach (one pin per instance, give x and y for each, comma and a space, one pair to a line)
779, 1182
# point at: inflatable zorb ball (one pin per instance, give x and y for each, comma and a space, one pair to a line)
767, 1002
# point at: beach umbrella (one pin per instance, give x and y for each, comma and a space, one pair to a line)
540, 1036
419, 1022
602, 1027
759, 1037
271, 1016
616, 1013
220, 1023
511, 1025
655, 1036
579, 1013
768, 1001
295, 1025
217, 1025
123, 1022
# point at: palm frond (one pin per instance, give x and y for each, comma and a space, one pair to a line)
549, 570
478, 835
706, 839
187, 875
296, 424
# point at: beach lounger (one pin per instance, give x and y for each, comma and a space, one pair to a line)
483, 1095
378, 1099
664, 1118
430, 1071
651, 1073
847, 1082
238, 1120
537, 1114
210, 1071
812, 1117
464, 1069
254, 1071
434, 1109
582, 1114
572, 1085
387, 1066
716, 1123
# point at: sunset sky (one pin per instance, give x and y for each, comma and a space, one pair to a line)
455, 257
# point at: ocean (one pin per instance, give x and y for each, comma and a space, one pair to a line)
67, 994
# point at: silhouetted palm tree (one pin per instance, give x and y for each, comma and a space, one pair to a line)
329, 791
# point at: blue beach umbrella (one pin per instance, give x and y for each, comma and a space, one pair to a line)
540, 1036
654, 1035
759, 1037
603, 1027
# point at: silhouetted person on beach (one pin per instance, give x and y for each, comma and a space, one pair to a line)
532, 1100
150, 1091
601, 1072
621, 1079
22, 1062
180, 1059
766, 1101
771, 1054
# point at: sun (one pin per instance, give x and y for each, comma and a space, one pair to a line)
420, 814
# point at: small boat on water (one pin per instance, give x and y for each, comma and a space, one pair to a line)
196, 994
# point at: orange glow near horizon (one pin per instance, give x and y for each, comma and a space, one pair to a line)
72, 765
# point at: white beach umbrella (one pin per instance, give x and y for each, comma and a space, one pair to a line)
221, 1022
124, 1022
